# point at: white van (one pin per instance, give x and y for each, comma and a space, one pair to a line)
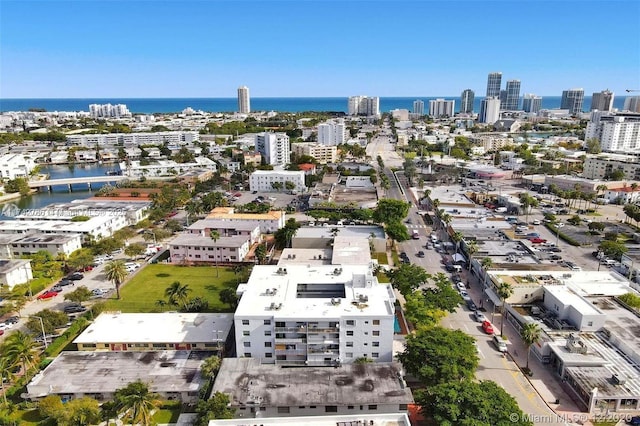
434, 238
501, 210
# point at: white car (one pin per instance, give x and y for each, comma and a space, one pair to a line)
461, 286
536, 222
479, 316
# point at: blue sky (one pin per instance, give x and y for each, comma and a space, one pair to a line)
118, 48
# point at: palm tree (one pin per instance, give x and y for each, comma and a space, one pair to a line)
215, 236
116, 272
472, 248
530, 334
505, 290
178, 294
457, 237
136, 402
19, 347
210, 367
601, 188
445, 218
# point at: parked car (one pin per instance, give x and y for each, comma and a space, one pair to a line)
555, 250
72, 309
65, 282
499, 343
12, 320
537, 240
471, 305
533, 235
634, 421
47, 295
487, 327
57, 288
76, 276
535, 222
87, 268
461, 286
479, 316
555, 257
420, 254
449, 267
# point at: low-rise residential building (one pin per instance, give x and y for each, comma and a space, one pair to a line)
322, 153
264, 390
157, 332
173, 375
133, 139
15, 272
588, 186
322, 315
264, 180
132, 211
252, 157
52, 243
96, 227
16, 166
163, 168
388, 419
600, 167
320, 236
204, 227
622, 195
268, 222
202, 249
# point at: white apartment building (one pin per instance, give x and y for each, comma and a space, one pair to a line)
441, 108
189, 248
15, 272
418, 107
134, 139
244, 101
364, 105
274, 148
96, 227
134, 169
15, 165
616, 132
332, 132
204, 227
268, 222
52, 243
322, 153
489, 110
531, 103
632, 104
108, 111
601, 166
320, 315
263, 180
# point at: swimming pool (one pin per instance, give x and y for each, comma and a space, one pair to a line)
396, 325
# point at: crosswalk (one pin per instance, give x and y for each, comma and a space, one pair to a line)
417, 226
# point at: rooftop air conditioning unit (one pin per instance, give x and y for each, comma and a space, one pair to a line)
618, 380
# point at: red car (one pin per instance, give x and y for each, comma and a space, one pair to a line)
87, 268
537, 240
487, 327
48, 295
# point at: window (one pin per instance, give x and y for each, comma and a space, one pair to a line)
373, 407
375, 354
349, 354
267, 322
376, 322
351, 322
280, 324
246, 333
267, 344
301, 407
402, 407
283, 410
375, 344
247, 344
350, 407
247, 354
349, 344
350, 333
155, 345
268, 355
267, 333
376, 332
331, 409
245, 322
590, 323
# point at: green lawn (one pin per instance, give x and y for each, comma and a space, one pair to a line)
148, 286
381, 257
30, 418
166, 415
382, 277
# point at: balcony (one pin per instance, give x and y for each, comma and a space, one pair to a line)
315, 330
292, 339
324, 339
298, 329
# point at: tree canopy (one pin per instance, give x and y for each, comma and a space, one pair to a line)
390, 210
407, 277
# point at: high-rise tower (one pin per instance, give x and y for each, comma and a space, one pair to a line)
418, 107
493, 84
244, 102
572, 100
512, 101
489, 110
531, 103
466, 101
602, 101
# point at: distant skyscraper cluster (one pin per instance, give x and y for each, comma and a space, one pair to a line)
418, 107
441, 108
572, 100
364, 105
632, 104
466, 101
244, 101
109, 111
602, 101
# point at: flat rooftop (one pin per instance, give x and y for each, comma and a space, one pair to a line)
227, 213
197, 240
587, 378
569, 297
391, 419
221, 224
166, 327
11, 265
100, 372
351, 251
584, 283
247, 382
27, 226
300, 256
47, 238
620, 322
361, 231
305, 291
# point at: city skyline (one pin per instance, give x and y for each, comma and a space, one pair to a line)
146, 49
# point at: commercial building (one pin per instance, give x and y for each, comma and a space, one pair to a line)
572, 100
109, 111
531, 103
268, 222
16, 166
512, 99
601, 166
156, 332
322, 315
173, 375
467, 99
264, 390
494, 82
15, 272
244, 101
364, 105
418, 107
632, 104
489, 110
274, 148
322, 153
332, 132
202, 249
602, 101
441, 108
264, 180
588, 186
617, 132
318, 237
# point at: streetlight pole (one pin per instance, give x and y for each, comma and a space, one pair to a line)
557, 233
599, 259
44, 335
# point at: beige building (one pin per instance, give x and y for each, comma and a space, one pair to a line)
601, 166
568, 183
322, 153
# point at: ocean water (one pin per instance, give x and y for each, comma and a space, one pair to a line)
169, 105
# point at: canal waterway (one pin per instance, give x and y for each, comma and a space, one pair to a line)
60, 193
